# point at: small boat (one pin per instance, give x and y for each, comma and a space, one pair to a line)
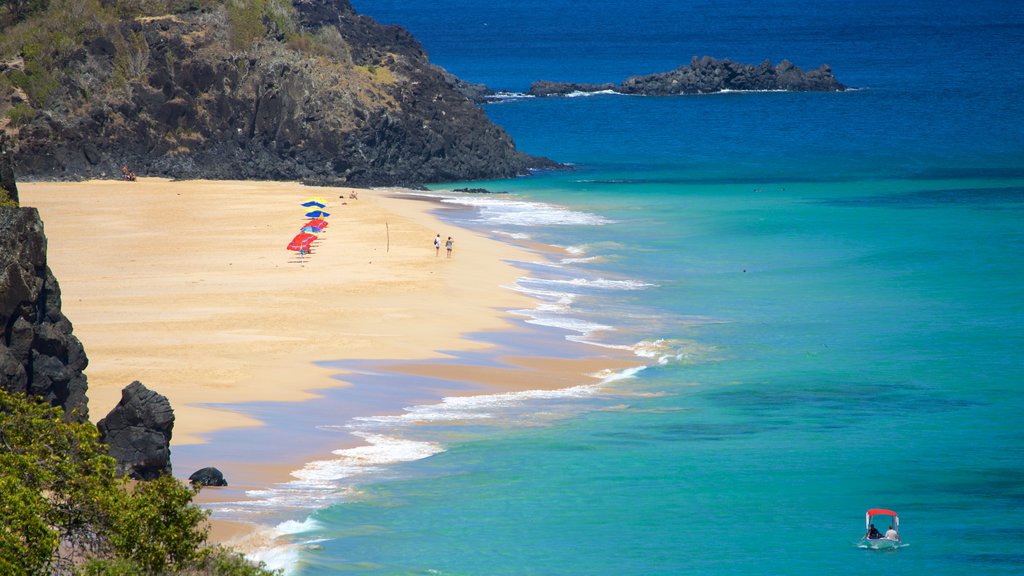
880, 542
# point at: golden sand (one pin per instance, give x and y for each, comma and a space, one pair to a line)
187, 287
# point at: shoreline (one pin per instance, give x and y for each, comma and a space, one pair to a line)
208, 308
187, 287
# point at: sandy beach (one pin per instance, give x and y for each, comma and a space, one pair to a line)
188, 288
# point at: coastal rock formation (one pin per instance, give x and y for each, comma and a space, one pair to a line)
208, 476
307, 90
38, 352
8, 186
707, 75
138, 432
548, 88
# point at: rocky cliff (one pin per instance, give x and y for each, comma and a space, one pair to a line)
269, 89
39, 354
706, 76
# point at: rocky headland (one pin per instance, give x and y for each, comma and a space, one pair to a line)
275, 89
708, 75
41, 356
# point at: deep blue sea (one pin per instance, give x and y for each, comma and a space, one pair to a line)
827, 290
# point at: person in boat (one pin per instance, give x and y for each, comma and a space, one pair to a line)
873, 533
891, 534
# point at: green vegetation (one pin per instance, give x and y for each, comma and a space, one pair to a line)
20, 114
20, 9
63, 510
250, 21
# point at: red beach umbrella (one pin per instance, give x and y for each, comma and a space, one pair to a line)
301, 242
316, 223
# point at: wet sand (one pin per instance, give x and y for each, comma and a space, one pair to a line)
187, 287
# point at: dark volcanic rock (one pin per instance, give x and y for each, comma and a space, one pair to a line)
207, 477
548, 88
708, 75
8, 186
360, 104
138, 432
478, 191
38, 352
477, 93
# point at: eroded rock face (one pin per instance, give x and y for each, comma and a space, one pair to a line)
138, 432
363, 105
38, 352
8, 186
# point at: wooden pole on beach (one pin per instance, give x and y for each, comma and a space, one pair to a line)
388, 228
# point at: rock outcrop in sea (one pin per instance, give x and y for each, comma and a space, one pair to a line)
708, 75
208, 476
317, 92
138, 432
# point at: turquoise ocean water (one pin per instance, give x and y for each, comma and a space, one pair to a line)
827, 290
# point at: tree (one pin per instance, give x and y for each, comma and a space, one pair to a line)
64, 511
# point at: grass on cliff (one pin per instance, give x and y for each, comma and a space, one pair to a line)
40, 38
64, 511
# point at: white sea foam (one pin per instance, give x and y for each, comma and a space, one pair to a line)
510, 212
551, 300
581, 94
547, 264
379, 451
583, 327
601, 283
506, 210
296, 526
505, 95
731, 91
462, 408
284, 558
580, 260
609, 376
513, 235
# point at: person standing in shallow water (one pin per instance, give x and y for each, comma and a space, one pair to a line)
448, 246
437, 245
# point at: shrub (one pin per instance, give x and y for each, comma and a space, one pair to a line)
63, 510
21, 114
249, 21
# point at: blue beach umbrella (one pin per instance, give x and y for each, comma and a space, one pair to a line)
317, 214
313, 203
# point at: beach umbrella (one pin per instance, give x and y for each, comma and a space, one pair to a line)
317, 214
319, 199
317, 224
301, 242
313, 203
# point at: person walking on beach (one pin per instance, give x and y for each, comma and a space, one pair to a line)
437, 245
448, 246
